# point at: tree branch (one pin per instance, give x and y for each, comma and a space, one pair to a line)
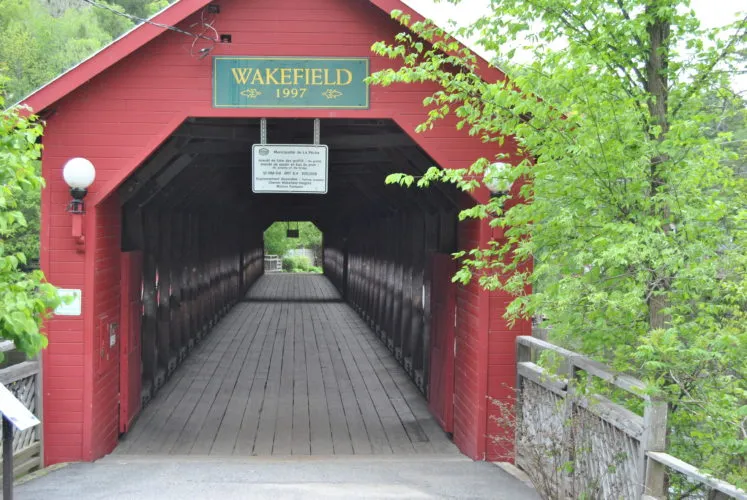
703, 76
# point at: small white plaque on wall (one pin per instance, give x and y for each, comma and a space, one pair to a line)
74, 307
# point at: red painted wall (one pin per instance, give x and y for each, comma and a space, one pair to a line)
501, 359
470, 343
119, 117
107, 302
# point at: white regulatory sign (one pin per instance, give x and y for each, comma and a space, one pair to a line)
289, 168
14, 410
74, 307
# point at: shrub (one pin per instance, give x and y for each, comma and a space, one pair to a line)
297, 264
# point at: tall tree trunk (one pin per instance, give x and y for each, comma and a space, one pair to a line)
656, 75
657, 86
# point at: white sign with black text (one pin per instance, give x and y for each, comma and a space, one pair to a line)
290, 168
14, 410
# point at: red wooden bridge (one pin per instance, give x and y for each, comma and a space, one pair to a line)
174, 326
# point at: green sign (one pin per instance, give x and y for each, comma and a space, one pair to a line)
290, 82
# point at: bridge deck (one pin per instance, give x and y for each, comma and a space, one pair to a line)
292, 370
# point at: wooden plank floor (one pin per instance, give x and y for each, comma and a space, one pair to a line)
292, 370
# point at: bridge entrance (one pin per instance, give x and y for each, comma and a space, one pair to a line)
193, 250
169, 250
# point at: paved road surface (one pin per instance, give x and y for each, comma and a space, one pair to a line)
277, 478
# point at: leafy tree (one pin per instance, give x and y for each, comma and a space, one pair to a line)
140, 8
36, 47
156, 6
38, 40
111, 23
298, 264
277, 242
25, 297
633, 219
26, 239
735, 124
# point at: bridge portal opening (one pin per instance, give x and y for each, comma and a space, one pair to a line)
293, 247
268, 355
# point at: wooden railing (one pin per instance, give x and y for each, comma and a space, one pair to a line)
23, 379
587, 444
273, 263
710, 487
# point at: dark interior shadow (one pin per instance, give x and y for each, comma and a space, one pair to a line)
295, 300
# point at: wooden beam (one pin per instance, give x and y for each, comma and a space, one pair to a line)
150, 168
281, 133
416, 163
157, 184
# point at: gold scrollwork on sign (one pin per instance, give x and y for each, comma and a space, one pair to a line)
331, 93
251, 93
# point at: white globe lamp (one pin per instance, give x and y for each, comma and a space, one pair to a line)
79, 174
496, 178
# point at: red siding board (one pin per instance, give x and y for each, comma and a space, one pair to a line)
63, 418
63, 349
70, 440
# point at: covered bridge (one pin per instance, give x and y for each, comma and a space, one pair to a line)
171, 242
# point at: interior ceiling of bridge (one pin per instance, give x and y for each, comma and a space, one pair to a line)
206, 166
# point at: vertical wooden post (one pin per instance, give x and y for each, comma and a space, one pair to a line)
150, 309
7, 459
391, 256
372, 236
200, 262
358, 268
345, 268
406, 296
362, 272
523, 354
177, 281
166, 358
193, 273
210, 245
431, 246
39, 388
417, 249
187, 297
400, 223
354, 269
373, 277
654, 438
241, 244
216, 275
366, 258
382, 277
